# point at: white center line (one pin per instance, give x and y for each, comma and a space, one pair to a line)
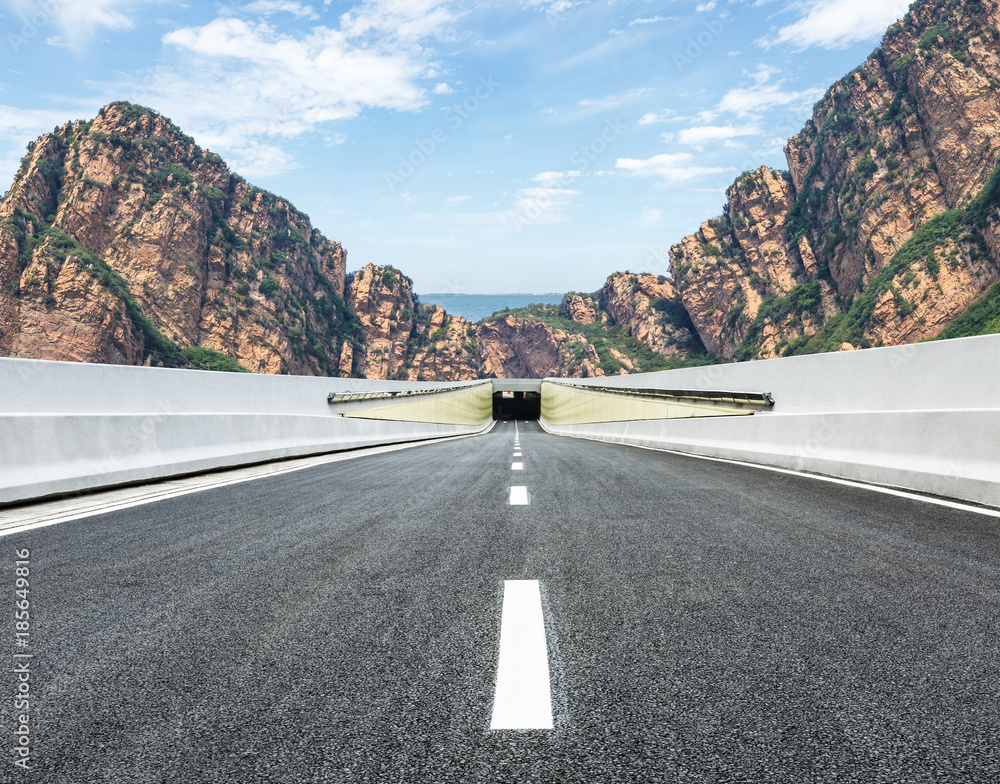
522, 700
517, 454
517, 466
519, 496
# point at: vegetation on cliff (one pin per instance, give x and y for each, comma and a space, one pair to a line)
884, 228
616, 348
58, 249
123, 241
192, 265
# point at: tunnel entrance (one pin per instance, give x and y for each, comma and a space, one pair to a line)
517, 404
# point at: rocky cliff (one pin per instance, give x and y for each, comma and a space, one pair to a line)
404, 340
122, 241
884, 227
443, 348
650, 308
883, 230
516, 347
382, 298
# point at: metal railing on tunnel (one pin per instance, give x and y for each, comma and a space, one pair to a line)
350, 397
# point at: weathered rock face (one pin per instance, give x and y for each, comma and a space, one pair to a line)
444, 348
920, 302
404, 340
66, 315
857, 227
516, 348
382, 297
122, 241
725, 271
582, 310
650, 308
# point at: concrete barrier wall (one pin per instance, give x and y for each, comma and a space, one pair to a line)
66, 427
923, 417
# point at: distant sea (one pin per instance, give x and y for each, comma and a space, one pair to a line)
474, 307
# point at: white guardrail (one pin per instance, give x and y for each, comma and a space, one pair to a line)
922, 417
68, 427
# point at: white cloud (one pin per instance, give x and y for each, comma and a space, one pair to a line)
551, 178
657, 117
589, 107
457, 199
408, 21
650, 20
544, 205
835, 24
442, 88
29, 121
703, 7
550, 6
699, 135
544, 202
650, 216
245, 84
613, 101
746, 101
670, 116
254, 158
672, 167
269, 7
764, 73
78, 20
763, 95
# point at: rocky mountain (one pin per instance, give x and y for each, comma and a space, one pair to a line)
884, 228
529, 348
651, 310
443, 347
122, 241
634, 324
404, 340
382, 298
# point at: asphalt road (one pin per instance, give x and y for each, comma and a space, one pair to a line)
706, 623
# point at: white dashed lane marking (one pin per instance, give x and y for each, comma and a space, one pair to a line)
522, 700
517, 467
519, 496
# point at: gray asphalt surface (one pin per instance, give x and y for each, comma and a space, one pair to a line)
707, 623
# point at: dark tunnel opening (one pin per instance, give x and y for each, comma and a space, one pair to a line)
517, 405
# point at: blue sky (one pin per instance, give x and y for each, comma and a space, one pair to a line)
481, 147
